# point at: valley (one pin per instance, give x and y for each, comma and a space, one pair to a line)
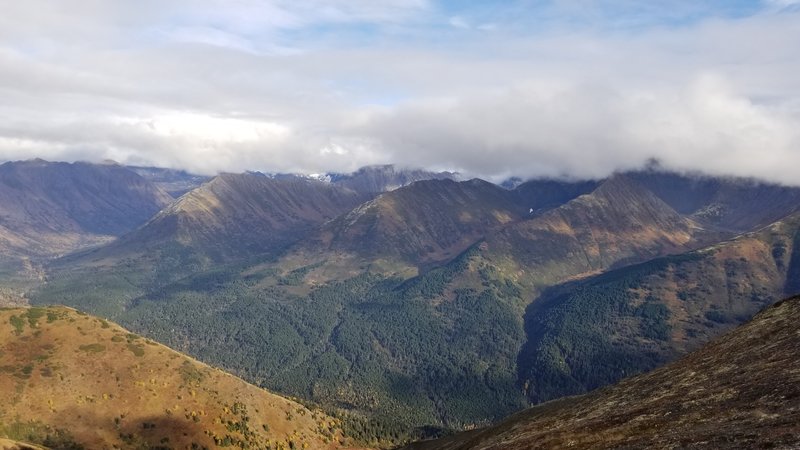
436, 305
739, 391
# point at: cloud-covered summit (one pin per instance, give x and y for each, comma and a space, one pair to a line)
491, 89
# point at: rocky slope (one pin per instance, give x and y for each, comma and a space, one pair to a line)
244, 213
618, 223
231, 218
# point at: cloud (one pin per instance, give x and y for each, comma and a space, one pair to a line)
459, 22
778, 5
590, 131
332, 85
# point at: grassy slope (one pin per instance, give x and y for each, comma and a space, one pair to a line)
8, 444
740, 391
103, 386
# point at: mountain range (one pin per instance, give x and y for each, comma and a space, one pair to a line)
409, 303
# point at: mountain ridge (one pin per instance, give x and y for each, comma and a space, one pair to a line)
643, 315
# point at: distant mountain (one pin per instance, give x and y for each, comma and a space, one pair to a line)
620, 222
741, 391
174, 182
48, 209
383, 178
593, 332
437, 305
733, 204
244, 213
427, 221
543, 194
511, 183
232, 218
75, 381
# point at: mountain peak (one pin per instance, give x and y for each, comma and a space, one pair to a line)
425, 221
387, 177
236, 215
618, 221
628, 203
618, 183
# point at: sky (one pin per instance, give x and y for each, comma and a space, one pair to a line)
491, 88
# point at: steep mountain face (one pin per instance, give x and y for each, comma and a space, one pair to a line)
48, 209
424, 224
231, 219
75, 381
383, 178
619, 222
734, 204
593, 332
428, 221
248, 213
544, 194
174, 182
236, 216
741, 391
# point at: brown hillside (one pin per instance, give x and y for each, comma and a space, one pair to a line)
47, 209
8, 444
618, 223
81, 379
424, 223
238, 215
741, 391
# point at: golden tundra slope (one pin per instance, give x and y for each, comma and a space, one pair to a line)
740, 391
84, 380
7, 444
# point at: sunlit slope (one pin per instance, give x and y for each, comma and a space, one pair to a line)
98, 385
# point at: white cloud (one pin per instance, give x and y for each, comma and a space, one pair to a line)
459, 22
266, 85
